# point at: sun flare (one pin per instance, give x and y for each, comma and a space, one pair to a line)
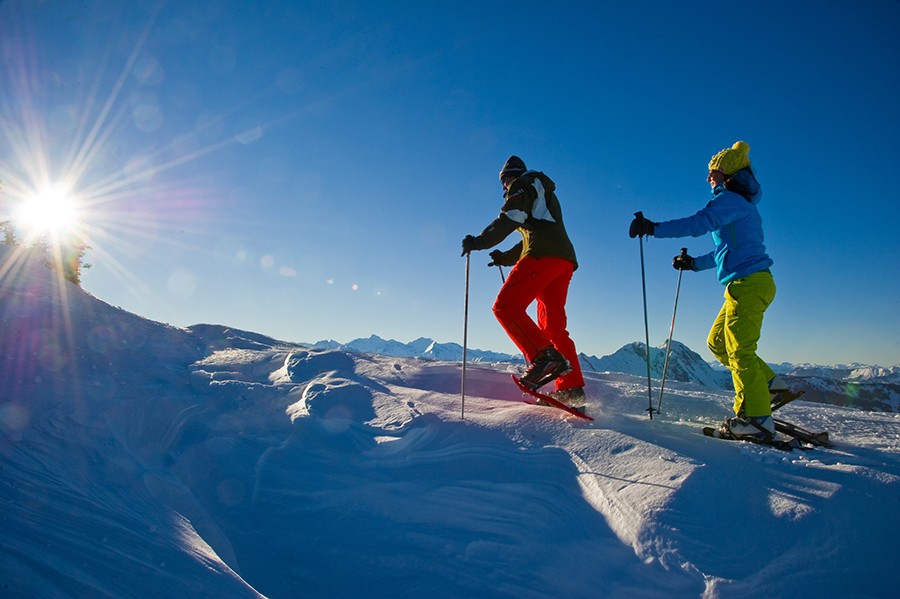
51, 211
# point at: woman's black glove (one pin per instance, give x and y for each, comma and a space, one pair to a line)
683, 262
640, 226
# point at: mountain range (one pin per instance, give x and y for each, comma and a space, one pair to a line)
857, 385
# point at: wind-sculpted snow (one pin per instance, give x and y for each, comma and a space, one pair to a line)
142, 460
403, 494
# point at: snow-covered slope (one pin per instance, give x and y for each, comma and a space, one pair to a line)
142, 460
89, 410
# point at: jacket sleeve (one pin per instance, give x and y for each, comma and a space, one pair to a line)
704, 262
496, 232
714, 216
516, 210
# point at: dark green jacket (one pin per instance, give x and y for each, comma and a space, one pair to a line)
531, 207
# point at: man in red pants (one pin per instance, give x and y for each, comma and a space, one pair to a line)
543, 263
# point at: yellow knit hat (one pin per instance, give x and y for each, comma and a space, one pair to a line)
731, 160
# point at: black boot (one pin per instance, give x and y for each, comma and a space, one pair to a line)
549, 364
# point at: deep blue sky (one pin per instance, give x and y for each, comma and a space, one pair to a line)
307, 169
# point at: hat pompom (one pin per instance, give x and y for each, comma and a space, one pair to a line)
741, 146
731, 160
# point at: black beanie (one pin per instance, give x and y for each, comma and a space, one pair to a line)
513, 167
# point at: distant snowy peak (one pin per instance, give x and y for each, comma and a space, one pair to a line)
846, 372
684, 364
876, 373
386, 347
420, 348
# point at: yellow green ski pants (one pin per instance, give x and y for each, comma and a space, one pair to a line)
734, 337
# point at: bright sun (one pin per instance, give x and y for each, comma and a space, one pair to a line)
48, 212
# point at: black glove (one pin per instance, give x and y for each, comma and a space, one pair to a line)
468, 245
641, 226
683, 262
496, 257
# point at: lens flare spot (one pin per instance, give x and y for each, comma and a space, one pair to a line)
182, 283
14, 418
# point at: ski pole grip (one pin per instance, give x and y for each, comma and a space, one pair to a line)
683, 252
639, 214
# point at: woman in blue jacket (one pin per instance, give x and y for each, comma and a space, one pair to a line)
742, 266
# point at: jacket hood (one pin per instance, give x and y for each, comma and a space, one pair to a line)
744, 183
547, 181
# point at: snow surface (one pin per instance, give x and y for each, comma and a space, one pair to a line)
143, 460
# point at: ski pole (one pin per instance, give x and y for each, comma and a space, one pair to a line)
462, 390
646, 326
662, 384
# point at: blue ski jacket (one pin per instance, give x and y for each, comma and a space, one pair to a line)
736, 227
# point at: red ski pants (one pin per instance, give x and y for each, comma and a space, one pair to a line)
547, 281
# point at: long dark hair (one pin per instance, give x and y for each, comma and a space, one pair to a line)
743, 186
